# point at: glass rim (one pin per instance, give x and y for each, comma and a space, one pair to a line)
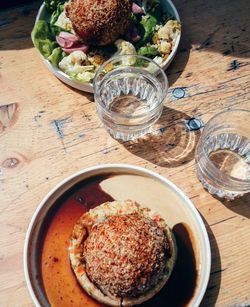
164, 88
224, 112
211, 165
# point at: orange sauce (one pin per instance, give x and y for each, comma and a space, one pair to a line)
59, 281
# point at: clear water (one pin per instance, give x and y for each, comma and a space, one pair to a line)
230, 153
128, 105
130, 92
133, 98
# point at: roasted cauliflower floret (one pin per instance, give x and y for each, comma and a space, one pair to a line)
96, 60
165, 47
76, 62
169, 31
64, 22
165, 37
124, 48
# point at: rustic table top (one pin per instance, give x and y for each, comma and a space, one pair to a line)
49, 131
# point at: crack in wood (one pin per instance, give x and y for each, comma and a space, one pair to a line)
227, 219
58, 125
235, 64
218, 271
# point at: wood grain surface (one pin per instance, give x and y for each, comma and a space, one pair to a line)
49, 131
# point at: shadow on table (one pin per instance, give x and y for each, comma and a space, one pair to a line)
219, 26
213, 287
171, 145
238, 205
16, 24
89, 96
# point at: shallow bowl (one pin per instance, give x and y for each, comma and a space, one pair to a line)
150, 190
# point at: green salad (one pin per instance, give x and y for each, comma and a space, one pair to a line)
153, 33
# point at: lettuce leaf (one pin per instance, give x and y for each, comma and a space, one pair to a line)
84, 77
51, 5
55, 30
56, 13
148, 51
148, 23
42, 38
56, 56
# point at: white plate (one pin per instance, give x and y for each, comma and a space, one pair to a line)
128, 182
87, 87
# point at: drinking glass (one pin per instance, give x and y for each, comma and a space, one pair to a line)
129, 91
223, 154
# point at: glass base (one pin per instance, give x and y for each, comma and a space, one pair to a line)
217, 191
128, 136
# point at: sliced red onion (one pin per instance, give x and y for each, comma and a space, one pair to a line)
63, 42
79, 47
69, 36
66, 40
137, 9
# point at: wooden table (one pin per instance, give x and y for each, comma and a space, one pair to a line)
49, 131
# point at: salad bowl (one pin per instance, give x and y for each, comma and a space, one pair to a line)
87, 85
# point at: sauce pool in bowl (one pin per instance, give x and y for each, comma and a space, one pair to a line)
59, 281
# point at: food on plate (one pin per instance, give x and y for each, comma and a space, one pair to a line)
99, 22
77, 64
122, 253
102, 29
